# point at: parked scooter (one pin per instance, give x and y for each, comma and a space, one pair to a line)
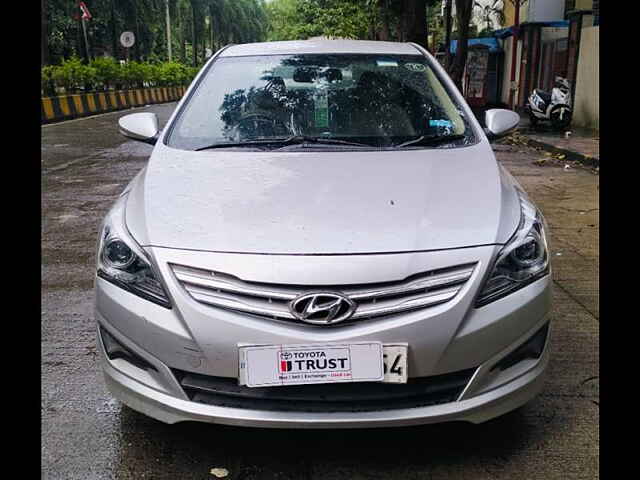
554, 106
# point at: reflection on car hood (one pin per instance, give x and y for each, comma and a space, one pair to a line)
322, 202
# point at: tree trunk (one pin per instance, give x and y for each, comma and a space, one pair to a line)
182, 28
136, 45
426, 32
114, 30
385, 33
463, 14
211, 30
415, 15
195, 37
44, 42
447, 34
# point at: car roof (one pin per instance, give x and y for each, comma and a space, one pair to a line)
319, 46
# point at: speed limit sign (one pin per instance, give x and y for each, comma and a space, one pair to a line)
127, 39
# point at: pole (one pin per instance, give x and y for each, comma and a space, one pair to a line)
514, 55
86, 41
168, 30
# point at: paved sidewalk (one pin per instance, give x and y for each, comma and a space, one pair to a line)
580, 145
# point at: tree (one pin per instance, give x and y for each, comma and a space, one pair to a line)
416, 21
447, 38
464, 8
488, 12
394, 20
44, 44
229, 21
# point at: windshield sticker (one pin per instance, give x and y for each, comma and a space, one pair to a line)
386, 63
415, 67
321, 108
440, 123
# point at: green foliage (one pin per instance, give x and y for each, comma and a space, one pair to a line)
173, 73
46, 80
134, 74
358, 19
302, 19
73, 75
216, 23
105, 73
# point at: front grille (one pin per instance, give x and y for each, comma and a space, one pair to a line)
345, 397
225, 291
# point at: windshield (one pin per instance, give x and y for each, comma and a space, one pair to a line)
367, 100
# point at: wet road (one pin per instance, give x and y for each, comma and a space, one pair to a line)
87, 435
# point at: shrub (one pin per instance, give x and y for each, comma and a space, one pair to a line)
104, 72
107, 71
135, 74
172, 74
46, 80
73, 75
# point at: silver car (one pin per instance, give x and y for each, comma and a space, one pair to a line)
322, 238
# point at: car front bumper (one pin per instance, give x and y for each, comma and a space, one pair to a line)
524, 382
444, 339
477, 409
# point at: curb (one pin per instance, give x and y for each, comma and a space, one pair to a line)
571, 155
67, 107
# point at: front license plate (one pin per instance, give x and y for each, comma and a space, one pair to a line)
274, 365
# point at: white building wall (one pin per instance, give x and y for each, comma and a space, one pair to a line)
506, 71
507, 44
545, 10
586, 110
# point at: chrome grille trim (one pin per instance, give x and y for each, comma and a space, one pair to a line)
422, 301
434, 281
223, 282
225, 291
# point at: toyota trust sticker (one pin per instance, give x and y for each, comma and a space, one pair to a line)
273, 365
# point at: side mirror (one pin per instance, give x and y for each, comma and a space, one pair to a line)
499, 122
140, 126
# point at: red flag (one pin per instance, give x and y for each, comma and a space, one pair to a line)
85, 11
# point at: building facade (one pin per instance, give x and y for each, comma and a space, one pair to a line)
554, 38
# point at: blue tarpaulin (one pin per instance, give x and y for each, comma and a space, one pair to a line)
490, 42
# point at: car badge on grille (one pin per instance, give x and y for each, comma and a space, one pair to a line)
322, 308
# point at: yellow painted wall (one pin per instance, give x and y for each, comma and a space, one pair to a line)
584, 4
510, 13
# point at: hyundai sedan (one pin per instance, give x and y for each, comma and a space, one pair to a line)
322, 238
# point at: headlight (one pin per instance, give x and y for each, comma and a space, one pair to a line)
524, 259
122, 261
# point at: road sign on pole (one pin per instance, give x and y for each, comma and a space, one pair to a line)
86, 15
127, 39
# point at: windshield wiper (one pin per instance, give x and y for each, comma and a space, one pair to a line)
430, 140
298, 139
283, 142
249, 143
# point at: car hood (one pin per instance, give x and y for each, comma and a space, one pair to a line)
302, 202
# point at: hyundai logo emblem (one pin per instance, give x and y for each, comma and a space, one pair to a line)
322, 308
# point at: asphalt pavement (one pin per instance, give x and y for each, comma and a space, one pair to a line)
88, 435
